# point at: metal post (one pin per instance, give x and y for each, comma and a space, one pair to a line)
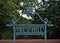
45, 33
46, 20
14, 33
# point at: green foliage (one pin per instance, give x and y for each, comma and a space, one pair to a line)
54, 15
8, 10
7, 33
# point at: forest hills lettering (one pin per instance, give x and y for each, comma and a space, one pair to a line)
30, 29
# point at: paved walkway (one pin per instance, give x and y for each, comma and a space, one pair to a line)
31, 41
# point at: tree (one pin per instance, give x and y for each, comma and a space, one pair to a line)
54, 15
8, 10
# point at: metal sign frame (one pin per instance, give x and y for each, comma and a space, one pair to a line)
18, 27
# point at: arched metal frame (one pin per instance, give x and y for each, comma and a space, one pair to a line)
16, 26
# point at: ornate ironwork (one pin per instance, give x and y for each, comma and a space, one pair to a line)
30, 29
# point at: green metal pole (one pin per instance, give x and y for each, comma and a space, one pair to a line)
45, 33
46, 21
14, 33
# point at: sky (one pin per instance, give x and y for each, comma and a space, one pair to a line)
24, 15
39, 1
